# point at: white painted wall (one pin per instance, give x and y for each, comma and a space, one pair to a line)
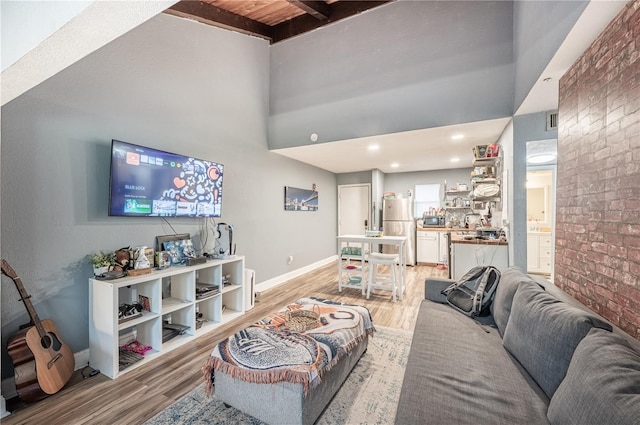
91, 28
25, 24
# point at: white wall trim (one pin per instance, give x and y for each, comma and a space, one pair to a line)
278, 280
9, 384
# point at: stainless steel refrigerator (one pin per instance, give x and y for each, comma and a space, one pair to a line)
397, 220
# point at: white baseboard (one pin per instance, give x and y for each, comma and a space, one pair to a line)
82, 358
8, 386
278, 280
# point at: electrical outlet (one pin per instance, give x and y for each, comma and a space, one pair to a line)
290, 259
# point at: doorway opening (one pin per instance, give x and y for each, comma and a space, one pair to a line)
541, 205
354, 209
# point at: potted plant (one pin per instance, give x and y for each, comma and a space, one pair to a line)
101, 262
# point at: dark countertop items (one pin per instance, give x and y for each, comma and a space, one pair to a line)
463, 236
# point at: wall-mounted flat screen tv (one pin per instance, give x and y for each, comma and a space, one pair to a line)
148, 182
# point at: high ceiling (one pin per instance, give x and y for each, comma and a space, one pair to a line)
111, 19
426, 149
274, 20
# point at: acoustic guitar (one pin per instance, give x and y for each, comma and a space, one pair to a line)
43, 363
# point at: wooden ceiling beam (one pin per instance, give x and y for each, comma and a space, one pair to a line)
317, 14
337, 11
318, 9
212, 15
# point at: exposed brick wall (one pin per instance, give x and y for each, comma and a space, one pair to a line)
598, 198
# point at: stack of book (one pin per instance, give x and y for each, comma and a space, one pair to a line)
204, 290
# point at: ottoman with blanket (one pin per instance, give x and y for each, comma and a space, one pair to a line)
285, 377
541, 357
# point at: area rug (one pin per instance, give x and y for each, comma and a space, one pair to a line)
369, 395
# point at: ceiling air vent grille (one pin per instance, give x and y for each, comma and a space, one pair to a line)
552, 121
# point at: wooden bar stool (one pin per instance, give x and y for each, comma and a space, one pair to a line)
383, 281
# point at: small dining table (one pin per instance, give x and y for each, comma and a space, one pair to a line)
399, 241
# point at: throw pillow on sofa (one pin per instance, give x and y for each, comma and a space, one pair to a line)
501, 305
543, 332
602, 385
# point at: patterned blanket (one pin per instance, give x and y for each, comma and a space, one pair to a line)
268, 352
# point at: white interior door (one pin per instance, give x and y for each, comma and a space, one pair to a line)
354, 209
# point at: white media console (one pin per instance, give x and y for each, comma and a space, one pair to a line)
171, 294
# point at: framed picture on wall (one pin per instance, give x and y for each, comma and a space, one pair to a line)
296, 199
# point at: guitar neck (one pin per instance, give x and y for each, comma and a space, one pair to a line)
24, 297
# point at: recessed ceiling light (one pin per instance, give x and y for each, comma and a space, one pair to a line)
541, 158
455, 159
457, 137
374, 147
394, 165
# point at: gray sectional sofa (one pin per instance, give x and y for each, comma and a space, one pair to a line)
539, 358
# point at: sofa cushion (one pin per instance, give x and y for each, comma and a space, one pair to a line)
543, 332
602, 385
501, 305
459, 373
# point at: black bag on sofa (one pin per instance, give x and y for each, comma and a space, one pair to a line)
473, 293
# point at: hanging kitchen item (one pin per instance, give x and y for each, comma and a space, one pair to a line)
486, 190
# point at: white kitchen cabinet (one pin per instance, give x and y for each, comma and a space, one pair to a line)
466, 256
432, 247
539, 252
171, 295
428, 246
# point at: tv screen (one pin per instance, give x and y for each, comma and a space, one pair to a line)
149, 182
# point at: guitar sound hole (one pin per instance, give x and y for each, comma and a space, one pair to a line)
46, 342
50, 340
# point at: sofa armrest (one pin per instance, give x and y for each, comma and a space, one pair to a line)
433, 288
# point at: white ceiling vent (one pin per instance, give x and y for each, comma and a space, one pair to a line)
552, 121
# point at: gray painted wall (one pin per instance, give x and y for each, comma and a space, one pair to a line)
354, 178
400, 182
171, 84
540, 27
403, 66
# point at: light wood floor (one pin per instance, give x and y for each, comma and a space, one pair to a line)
140, 394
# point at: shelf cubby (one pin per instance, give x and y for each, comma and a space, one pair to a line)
179, 306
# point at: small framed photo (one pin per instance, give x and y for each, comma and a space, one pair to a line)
478, 205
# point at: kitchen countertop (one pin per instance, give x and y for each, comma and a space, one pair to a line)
445, 229
458, 234
455, 238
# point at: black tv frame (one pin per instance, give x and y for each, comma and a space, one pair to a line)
115, 194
